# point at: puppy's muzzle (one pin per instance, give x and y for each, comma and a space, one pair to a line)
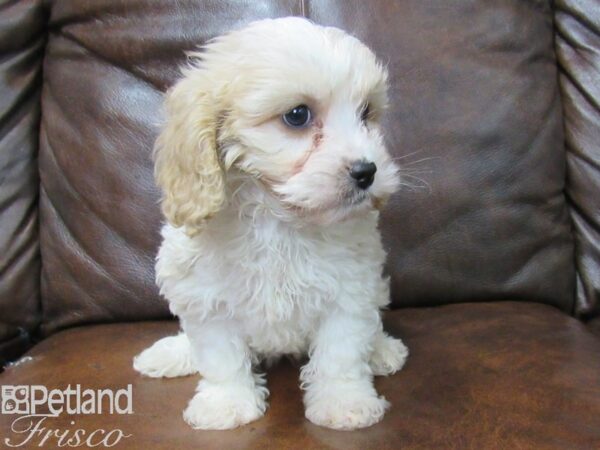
363, 172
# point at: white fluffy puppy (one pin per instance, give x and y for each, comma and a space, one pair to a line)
273, 168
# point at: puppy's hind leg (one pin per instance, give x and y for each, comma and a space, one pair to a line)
168, 357
389, 354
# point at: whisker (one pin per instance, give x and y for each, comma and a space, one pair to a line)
412, 171
421, 183
398, 158
419, 161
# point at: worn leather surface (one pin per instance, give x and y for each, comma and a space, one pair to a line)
474, 93
474, 108
480, 376
106, 67
578, 50
594, 326
22, 37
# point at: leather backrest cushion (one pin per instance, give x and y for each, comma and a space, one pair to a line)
578, 51
22, 38
474, 95
108, 63
474, 88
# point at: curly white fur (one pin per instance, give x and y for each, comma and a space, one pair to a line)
270, 248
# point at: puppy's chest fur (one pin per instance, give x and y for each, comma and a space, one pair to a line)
278, 280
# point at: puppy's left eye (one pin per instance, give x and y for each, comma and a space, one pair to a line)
297, 117
364, 114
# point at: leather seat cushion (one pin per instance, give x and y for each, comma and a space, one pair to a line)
594, 326
480, 375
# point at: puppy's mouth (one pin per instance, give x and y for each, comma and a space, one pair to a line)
359, 199
356, 198
346, 204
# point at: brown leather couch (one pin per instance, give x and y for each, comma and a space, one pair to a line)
494, 248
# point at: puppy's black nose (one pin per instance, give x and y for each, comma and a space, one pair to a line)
363, 172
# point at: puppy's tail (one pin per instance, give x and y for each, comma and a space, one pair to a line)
168, 357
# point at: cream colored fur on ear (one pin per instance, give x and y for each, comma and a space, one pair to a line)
186, 162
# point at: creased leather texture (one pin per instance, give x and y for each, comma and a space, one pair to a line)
106, 67
578, 50
479, 376
22, 39
474, 94
479, 102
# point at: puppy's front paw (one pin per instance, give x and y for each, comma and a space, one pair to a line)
345, 406
222, 406
167, 357
389, 355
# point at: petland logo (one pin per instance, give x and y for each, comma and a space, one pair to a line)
36, 405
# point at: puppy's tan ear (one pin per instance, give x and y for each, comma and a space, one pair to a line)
185, 154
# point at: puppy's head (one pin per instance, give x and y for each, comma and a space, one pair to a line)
290, 103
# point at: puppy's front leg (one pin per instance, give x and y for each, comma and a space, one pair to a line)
229, 394
338, 379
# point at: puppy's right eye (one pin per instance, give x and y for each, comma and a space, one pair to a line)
297, 117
